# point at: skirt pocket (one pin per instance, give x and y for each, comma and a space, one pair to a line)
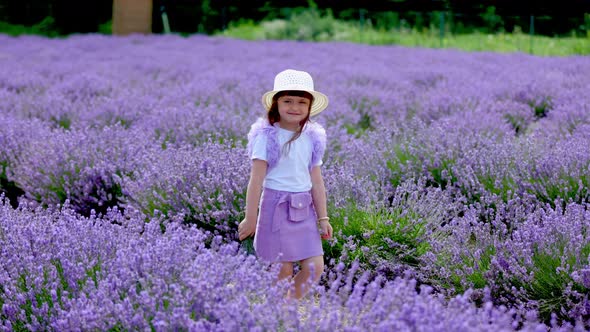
299, 206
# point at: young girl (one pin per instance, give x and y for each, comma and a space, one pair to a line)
286, 182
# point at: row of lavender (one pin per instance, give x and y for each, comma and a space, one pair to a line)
64, 272
464, 171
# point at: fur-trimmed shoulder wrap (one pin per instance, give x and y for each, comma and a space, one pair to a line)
314, 130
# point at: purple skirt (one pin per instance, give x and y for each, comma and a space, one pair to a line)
287, 228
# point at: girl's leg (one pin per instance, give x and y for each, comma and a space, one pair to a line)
286, 271
302, 282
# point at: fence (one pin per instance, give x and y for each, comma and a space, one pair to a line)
444, 20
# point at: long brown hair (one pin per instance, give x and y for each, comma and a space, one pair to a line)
274, 116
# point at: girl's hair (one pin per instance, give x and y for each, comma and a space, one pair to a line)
274, 116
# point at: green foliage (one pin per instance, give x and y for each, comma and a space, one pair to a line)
499, 186
386, 235
194, 215
517, 122
60, 273
208, 14
245, 29
566, 188
478, 266
159, 202
401, 156
106, 28
541, 108
469, 270
362, 106
118, 327
493, 22
306, 25
155, 201
63, 121
247, 246
313, 25
41, 293
165, 137
92, 274
361, 126
44, 28
441, 173
386, 21
552, 277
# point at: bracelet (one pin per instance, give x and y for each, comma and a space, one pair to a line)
324, 218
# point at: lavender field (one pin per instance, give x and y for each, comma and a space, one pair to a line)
458, 187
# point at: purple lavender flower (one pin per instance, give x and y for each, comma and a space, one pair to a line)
483, 156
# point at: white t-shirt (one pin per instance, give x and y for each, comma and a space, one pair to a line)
291, 172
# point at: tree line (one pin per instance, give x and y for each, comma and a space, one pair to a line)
208, 16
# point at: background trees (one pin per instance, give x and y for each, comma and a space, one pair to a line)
207, 16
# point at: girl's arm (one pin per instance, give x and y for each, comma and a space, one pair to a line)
318, 193
248, 226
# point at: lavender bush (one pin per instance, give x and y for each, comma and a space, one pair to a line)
66, 272
83, 166
195, 184
465, 174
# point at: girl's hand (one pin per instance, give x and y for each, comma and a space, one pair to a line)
326, 230
246, 228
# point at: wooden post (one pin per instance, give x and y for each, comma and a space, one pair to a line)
132, 16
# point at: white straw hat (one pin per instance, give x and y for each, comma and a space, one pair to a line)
299, 81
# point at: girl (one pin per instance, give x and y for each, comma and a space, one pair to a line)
286, 150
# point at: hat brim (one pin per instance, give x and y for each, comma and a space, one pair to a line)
320, 100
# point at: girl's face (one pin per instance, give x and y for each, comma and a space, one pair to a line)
293, 110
